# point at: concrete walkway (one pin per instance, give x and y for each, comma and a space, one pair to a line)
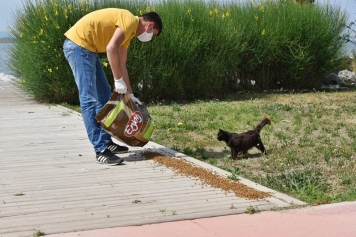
50, 182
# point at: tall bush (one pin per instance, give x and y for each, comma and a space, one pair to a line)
206, 49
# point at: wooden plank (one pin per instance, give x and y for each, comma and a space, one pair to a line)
100, 214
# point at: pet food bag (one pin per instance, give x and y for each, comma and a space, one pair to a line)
126, 121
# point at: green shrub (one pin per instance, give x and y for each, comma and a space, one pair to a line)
206, 50
37, 54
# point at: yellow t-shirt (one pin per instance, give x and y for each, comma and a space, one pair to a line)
94, 30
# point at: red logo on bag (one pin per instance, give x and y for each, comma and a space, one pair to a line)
134, 124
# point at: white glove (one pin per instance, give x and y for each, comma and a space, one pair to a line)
135, 100
120, 86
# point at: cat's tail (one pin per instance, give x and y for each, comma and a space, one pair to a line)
264, 121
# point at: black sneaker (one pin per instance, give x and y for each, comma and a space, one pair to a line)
108, 158
116, 149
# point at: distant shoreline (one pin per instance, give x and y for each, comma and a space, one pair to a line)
5, 40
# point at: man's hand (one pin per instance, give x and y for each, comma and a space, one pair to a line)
120, 86
135, 100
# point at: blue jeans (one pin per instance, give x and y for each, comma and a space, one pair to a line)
94, 89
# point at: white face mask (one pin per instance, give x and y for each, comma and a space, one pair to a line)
145, 37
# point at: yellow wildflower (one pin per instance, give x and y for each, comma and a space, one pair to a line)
56, 13
105, 64
46, 18
211, 13
189, 11
216, 10
256, 17
262, 7
223, 16
180, 123
263, 32
50, 70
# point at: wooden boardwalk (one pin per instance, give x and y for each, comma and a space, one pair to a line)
49, 180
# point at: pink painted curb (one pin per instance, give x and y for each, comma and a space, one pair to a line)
332, 220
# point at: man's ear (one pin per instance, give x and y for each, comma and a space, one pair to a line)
151, 24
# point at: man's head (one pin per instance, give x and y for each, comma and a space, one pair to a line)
153, 17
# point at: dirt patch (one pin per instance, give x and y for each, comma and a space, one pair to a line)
207, 177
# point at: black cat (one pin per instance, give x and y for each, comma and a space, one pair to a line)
242, 142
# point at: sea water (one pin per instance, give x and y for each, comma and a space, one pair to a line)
4, 66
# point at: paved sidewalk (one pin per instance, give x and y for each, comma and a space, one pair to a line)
333, 220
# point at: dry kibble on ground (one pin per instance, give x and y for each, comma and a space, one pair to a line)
207, 177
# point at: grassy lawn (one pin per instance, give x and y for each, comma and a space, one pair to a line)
311, 150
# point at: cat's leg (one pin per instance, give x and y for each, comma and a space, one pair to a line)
234, 153
260, 146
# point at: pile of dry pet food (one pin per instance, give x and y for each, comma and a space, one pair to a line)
207, 177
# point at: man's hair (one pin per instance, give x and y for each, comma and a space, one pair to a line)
156, 19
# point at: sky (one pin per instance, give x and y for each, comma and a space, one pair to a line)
8, 6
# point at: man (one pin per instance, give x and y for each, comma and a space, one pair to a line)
107, 30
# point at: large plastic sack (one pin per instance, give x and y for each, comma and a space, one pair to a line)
126, 121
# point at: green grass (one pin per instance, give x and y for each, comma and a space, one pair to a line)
72, 107
311, 157
251, 209
38, 233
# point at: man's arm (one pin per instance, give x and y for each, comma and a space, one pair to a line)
124, 73
117, 56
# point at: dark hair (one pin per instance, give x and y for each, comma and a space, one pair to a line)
156, 19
